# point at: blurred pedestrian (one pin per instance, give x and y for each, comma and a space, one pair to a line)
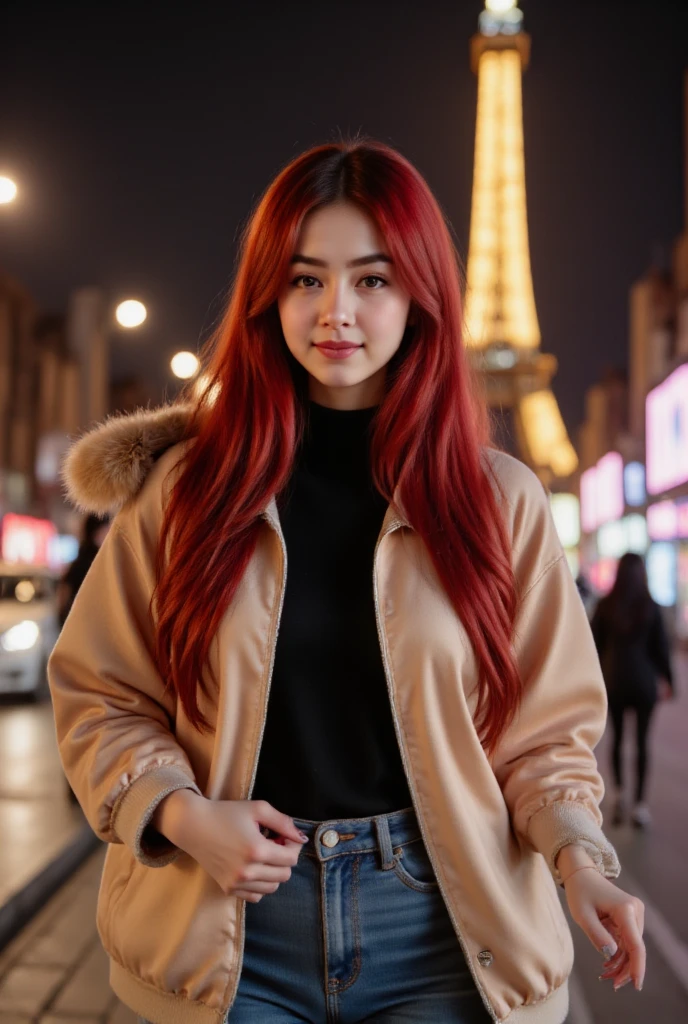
94, 531
634, 652
587, 594
330, 613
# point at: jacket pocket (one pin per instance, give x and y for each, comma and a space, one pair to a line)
117, 871
413, 867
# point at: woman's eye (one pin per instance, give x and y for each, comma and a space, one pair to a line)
305, 281
374, 281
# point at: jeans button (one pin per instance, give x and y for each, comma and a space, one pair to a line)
485, 957
330, 838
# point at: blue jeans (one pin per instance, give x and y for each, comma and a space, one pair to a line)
359, 933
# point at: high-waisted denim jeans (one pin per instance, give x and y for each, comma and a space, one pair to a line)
359, 933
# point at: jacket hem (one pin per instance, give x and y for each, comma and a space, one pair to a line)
551, 1010
161, 1007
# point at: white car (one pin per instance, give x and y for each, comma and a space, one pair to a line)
28, 628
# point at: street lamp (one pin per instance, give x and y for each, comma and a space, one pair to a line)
131, 313
8, 190
184, 365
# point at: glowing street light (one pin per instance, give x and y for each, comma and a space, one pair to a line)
131, 313
184, 365
8, 190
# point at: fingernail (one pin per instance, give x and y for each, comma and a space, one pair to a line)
617, 987
608, 951
302, 836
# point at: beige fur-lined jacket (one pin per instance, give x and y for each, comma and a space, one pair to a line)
492, 827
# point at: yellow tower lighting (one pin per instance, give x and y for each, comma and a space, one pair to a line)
546, 436
500, 302
500, 318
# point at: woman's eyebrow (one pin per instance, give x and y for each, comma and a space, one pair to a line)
311, 261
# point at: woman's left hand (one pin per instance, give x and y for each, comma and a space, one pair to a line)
613, 921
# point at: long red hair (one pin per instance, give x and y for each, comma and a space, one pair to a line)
430, 429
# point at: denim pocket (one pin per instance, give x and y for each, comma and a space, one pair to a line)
413, 867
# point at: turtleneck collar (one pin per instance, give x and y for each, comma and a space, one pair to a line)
336, 442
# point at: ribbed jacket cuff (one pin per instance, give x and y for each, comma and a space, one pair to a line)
135, 811
563, 822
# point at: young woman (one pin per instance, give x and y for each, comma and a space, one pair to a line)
634, 652
329, 691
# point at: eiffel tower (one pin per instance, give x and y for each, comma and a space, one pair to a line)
501, 324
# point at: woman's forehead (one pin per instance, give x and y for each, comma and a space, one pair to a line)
339, 233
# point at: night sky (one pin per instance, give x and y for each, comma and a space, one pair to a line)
141, 136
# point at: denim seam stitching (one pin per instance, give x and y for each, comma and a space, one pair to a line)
412, 883
356, 969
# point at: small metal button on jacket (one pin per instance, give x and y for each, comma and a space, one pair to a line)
330, 838
485, 958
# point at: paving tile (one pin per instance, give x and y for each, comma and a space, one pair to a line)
27, 990
57, 915
51, 949
88, 990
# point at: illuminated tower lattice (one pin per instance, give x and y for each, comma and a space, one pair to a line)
502, 330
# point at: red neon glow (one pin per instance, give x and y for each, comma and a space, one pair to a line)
666, 430
602, 574
25, 539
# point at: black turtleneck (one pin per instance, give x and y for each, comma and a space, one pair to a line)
329, 748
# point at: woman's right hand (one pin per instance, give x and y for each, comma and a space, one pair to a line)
224, 837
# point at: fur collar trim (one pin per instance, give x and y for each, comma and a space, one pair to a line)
108, 465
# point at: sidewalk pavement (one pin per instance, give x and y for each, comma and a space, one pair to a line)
55, 970
44, 835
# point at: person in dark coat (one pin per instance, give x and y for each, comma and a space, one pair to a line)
634, 652
94, 532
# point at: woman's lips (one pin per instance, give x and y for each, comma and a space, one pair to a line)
337, 349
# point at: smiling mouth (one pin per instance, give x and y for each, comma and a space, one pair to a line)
338, 349
337, 346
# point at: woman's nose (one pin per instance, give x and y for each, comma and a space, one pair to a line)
336, 318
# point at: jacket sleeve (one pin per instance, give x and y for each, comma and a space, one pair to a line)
114, 717
545, 762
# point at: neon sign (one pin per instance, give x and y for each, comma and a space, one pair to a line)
602, 492
666, 432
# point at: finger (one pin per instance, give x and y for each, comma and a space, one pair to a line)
278, 822
250, 897
622, 979
632, 940
615, 961
261, 887
265, 873
612, 972
271, 853
601, 937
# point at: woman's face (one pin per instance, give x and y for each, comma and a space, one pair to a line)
343, 288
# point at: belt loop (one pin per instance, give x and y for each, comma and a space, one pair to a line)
384, 842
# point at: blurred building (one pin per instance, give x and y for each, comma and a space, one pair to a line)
54, 383
501, 324
633, 444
